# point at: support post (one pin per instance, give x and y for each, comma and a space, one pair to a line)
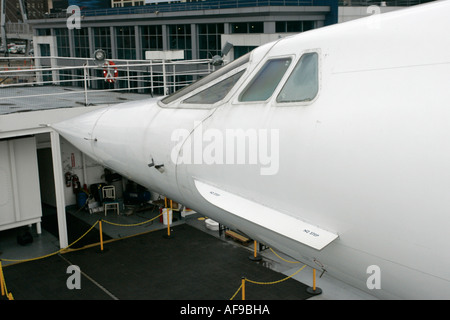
128, 76
255, 256
243, 288
164, 78
2, 281
101, 234
85, 80
168, 235
314, 290
59, 189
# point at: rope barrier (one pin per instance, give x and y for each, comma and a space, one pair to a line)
242, 286
278, 281
262, 283
237, 291
2, 280
283, 258
132, 224
73, 243
54, 253
122, 225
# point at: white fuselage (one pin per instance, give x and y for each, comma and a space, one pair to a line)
368, 159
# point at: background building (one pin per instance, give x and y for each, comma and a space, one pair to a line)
128, 29
34, 9
200, 28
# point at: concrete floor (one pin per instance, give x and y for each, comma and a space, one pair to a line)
33, 98
46, 243
192, 265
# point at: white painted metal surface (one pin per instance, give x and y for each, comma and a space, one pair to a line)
164, 55
368, 158
31, 82
20, 200
265, 217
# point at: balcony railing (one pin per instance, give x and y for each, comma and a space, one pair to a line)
388, 3
18, 28
193, 6
34, 83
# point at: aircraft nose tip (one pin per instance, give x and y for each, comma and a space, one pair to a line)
78, 131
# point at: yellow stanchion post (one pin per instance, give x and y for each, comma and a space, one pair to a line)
314, 290
2, 281
3, 284
168, 235
314, 279
101, 235
243, 288
168, 218
255, 256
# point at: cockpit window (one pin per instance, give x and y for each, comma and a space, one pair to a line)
208, 79
265, 82
216, 92
303, 83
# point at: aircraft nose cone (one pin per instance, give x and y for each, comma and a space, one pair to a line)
78, 130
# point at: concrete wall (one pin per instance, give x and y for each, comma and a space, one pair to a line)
20, 201
33, 123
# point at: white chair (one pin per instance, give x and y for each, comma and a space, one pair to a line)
109, 199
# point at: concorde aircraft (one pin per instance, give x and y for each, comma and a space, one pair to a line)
332, 146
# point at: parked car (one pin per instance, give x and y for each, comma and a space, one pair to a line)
21, 48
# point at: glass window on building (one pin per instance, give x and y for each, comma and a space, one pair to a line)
127, 3
255, 27
45, 49
102, 40
240, 27
239, 51
247, 27
65, 77
81, 41
308, 25
266, 81
62, 42
43, 32
180, 39
209, 40
151, 39
63, 50
293, 26
126, 43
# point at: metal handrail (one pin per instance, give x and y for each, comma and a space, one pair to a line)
190, 6
137, 76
